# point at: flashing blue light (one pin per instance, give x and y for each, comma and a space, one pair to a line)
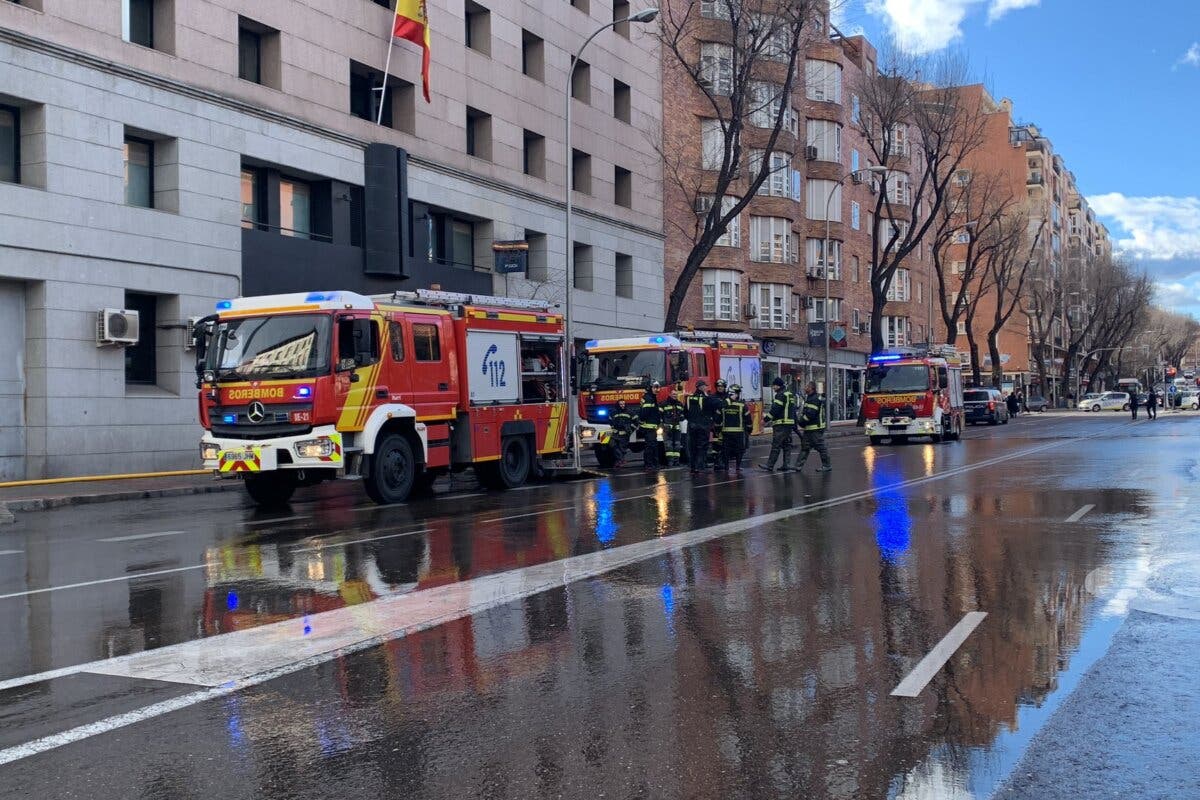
320, 297
229, 419
591, 343
887, 357
231, 601
303, 391
602, 412
658, 339
224, 305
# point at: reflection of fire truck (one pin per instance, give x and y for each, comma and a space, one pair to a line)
297, 389
622, 369
914, 392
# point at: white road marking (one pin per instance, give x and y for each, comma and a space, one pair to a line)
11, 552
452, 496
931, 664
131, 577
253, 522
137, 536
330, 545
1081, 513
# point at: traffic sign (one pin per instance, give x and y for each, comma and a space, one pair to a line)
1172, 389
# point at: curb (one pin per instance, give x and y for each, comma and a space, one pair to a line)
6, 516
48, 503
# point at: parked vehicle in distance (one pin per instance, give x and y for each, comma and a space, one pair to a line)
1085, 402
985, 405
1190, 399
1110, 401
1038, 404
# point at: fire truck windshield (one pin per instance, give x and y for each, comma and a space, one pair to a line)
613, 370
898, 378
280, 346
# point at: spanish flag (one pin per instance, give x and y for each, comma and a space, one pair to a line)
412, 23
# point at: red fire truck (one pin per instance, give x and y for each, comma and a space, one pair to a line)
296, 389
914, 392
622, 369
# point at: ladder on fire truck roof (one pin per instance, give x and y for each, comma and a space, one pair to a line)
432, 297
723, 336
923, 350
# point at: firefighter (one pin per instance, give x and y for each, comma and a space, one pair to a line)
649, 418
672, 417
717, 451
782, 418
812, 429
735, 426
700, 423
623, 423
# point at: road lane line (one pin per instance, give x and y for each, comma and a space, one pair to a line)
1081, 513
132, 577
330, 545
11, 552
137, 536
931, 664
252, 522
452, 496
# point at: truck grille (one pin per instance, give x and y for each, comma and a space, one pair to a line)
233, 422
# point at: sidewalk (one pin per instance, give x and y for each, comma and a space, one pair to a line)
57, 495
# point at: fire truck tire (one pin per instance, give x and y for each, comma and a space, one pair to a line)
393, 470
956, 432
512, 470
271, 489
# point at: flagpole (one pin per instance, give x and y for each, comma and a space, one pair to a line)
386, 69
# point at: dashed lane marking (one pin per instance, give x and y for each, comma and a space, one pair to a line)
11, 552
328, 545
932, 663
135, 537
1081, 513
132, 577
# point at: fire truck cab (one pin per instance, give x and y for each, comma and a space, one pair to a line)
622, 369
914, 392
297, 389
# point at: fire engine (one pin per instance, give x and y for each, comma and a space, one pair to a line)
397, 389
914, 392
622, 369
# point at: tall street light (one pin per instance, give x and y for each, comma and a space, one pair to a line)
648, 15
875, 170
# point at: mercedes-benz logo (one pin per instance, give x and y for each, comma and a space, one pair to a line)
256, 412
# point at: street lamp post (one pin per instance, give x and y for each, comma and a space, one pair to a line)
877, 169
648, 15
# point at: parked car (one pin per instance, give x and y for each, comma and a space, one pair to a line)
1189, 399
1110, 401
1038, 404
1085, 402
985, 405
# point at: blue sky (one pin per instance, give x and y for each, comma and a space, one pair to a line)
1114, 85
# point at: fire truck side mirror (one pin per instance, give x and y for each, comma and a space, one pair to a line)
679, 367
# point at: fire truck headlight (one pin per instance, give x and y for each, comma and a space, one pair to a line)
209, 451
314, 448
587, 434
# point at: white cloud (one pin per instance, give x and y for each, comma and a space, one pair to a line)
999, 8
925, 26
1192, 57
1156, 228
1177, 295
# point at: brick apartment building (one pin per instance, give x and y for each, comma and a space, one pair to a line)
767, 275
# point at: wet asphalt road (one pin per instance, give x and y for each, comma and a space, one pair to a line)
635, 636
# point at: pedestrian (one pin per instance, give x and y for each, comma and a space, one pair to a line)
1012, 403
622, 422
1133, 403
649, 418
717, 451
672, 418
812, 429
782, 418
735, 426
1151, 404
698, 411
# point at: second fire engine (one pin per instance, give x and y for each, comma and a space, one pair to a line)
914, 392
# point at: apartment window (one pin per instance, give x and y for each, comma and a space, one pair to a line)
823, 81
534, 154
895, 331
537, 264
856, 320
962, 237
624, 275
441, 236
962, 177
765, 101
855, 215
622, 187
898, 190
890, 230
714, 9
249, 54
770, 36
10, 144
533, 55
721, 299
897, 144
712, 144
733, 231
900, 289
816, 309
854, 161
770, 239
137, 22
295, 208
584, 275
824, 195
920, 292
139, 172
254, 206
962, 328
716, 68
581, 82
141, 359
855, 110
958, 267
826, 137
622, 101
621, 17
770, 304
479, 134
856, 269
478, 28
776, 184
815, 257
581, 171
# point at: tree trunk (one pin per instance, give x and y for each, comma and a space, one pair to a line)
994, 352
679, 292
1043, 376
877, 302
976, 372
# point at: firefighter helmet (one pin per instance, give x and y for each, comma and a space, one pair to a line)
720, 383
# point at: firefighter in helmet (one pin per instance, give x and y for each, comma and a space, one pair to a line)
672, 417
718, 403
623, 423
649, 418
782, 417
735, 427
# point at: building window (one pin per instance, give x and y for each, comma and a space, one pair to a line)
624, 275
892, 231
855, 215
962, 328
824, 195
584, 268
816, 309
855, 110
10, 144
714, 9
139, 172
958, 267
533, 56
856, 269
141, 359
962, 237
427, 343
583, 5
733, 231
440, 236
478, 27
854, 161
765, 102
815, 258
721, 295
537, 265
716, 68
920, 292
253, 198
581, 171
823, 81
776, 184
770, 305
900, 289
581, 82
479, 134
826, 137
622, 101
712, 144
295, 208
249, 54
137, 22
621, 17
856, 320
622, 187
770, 239
897, 144
534, 154
895, 331
898, 190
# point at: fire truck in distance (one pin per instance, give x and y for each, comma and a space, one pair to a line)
914, 392
296, 389
622, 369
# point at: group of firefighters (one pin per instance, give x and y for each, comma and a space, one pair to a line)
719, 425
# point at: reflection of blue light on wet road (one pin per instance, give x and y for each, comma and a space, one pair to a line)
606, 526
668, 599
893, 526
231, 601
233, 722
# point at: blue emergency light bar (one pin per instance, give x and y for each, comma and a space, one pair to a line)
658, 340
602, 412
224, 305
303, 391
886, 357
320, 297
591, 343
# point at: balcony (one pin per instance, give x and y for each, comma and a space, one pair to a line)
1035, 179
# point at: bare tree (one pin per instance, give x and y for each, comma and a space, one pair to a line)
1120, 299
1043, 293
1015, 244
741, 62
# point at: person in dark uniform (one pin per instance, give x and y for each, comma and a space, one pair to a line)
672, 417
735, 427
699, 424
782, 417
1151, 404
623, 423
649, 418
1133, 402
812, 429
717, 451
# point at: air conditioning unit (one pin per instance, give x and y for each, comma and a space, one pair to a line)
816, 272
750, 311
856, 177
810, 152
191, 336
116, 326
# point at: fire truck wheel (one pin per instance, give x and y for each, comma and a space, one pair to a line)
605, 457
393, 470
513, 467
271, 489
